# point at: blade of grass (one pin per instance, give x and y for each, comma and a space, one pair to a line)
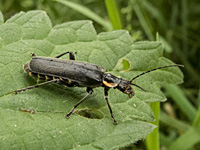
188, 66
141, 18
164, 118
165, 141
187, 140
183, 103
174, 16
152, 10
184, 26
113, 14
87, 12
152, 140
196, 121
166, 44
1, 18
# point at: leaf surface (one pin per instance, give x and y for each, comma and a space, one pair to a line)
47, 127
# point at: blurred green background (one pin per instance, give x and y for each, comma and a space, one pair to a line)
177, 22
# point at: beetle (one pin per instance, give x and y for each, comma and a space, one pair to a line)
82, 74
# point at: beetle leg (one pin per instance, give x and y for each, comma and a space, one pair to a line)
33, 54
106, 98
34, 86
71, 55
89, 90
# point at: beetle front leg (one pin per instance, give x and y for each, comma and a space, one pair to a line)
106, 98
71, 55
34, 86
89, 90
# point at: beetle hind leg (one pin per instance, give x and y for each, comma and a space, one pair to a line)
89, 90
35, 86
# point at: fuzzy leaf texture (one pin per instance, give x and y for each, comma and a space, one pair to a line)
91, 126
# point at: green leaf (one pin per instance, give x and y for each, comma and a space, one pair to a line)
35, 118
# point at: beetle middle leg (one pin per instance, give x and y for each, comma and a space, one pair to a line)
34, 86
71, 55
89, 90
106, 98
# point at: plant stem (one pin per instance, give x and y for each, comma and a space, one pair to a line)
152, 140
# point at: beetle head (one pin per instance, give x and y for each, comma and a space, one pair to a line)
125, 87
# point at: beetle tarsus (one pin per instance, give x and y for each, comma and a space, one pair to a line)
69, 114
24, 89
114, 121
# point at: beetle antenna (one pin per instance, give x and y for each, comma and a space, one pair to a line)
176, 65
138, 87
